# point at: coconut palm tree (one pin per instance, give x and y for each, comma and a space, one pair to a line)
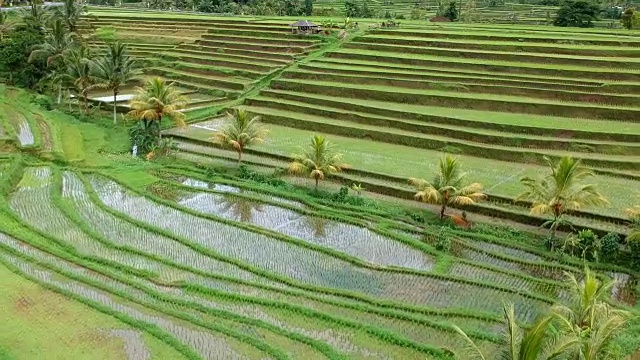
116, 69
588, 317
634, 215
80, 74
448, 188
561, 191
536, 342
35, 16
318, 160
70, 12
157, 99
57, 44
241, 131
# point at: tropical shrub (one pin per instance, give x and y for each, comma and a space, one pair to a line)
630, 19
609, 247
443, 240
14, 53
577, 14
451, 12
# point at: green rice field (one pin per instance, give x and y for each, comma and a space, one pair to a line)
104, 255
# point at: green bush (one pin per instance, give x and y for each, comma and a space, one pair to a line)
577, 14
610, 246
106, 33
443, 240
43, 101
14, 53
634, 246
630, 19
452, 12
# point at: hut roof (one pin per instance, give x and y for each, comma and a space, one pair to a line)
303, 23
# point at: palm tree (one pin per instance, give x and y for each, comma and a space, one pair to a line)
35, 16
241, 131
156, 100
80, 73
536, 342
634, 216
57, 44
447, 189
588, 317
116, 69
71, 13
318, 160
561, 191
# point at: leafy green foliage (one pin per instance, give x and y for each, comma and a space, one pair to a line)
443, 240
609, 247
15, 69
630, 19
452, 13
577, 14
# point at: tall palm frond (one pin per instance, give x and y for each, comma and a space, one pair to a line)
318, 160
35, 16
57, 44
80, 73
70, 12
533, 343
156, 100
115, 69
562, 190
447, 188
241, 131
588, 317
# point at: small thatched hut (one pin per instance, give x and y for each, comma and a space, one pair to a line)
304, 27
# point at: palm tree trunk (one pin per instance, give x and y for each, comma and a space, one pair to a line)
59, 94
160, 126
115, 94
317, 180
239, 157
442, 210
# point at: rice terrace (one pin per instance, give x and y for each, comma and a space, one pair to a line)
320, 179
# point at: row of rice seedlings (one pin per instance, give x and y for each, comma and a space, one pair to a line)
123, 233
474, 272
493, 255
228, 189
308, 266
335, 336
134, 345
471, 252
33, 205
205, 343
413, 329
350, 239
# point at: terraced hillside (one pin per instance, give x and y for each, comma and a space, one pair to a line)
206, 282
167, 260
221, 58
